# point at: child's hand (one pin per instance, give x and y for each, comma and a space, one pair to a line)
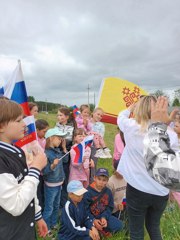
95, 234
85, 121
91, 164
55, 163
42, 228
39, 160
120, 207
103, 222
97, 224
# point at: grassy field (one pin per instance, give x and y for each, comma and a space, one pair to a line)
170, 222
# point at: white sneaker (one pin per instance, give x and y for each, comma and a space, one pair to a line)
107, 153
100, 154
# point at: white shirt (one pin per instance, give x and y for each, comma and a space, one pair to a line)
132, 165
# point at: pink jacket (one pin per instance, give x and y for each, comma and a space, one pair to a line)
118, 147
77, 170
80, 124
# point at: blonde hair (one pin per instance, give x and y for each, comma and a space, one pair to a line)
98, 109
142, 111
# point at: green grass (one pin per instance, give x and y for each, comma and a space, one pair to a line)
170, 221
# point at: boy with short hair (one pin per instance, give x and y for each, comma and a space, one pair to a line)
18, 185
100, 203
75, 222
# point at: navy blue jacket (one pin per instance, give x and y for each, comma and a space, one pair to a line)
75, 222
57, 174
102, 208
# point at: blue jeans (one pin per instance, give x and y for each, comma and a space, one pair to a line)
114, 225
52, 197
144, 207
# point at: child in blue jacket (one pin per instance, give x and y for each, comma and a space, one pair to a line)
100, 203
54, 176
75, 222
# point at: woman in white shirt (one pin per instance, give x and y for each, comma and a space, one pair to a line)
146, 199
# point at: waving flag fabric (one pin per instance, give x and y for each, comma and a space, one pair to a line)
80, 148
15, 90
30, 132
75, 111
88, 141
116, 95
124, 201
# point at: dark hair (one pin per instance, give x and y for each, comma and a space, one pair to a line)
41, 124
31, 105
64, 110
71, 121
9, 111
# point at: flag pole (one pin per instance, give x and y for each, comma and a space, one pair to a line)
64, 156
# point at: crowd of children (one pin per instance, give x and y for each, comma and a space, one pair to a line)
91, 204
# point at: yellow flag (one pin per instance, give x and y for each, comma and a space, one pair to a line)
115, 95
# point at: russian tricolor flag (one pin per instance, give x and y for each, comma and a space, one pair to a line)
124, 201
15, 90
88, 141
30, 132
80, 148
75, 111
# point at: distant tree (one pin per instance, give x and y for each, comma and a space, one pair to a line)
31, 99
159, 93
176, 102
177, 94
92, 106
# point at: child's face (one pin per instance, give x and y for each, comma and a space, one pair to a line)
41, 133
100, 182
177, 127
75, 198
62, 118
85, 113
13, 130
56, 141
79, 138
34, 111
97, 116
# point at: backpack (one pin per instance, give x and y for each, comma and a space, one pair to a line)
162, 163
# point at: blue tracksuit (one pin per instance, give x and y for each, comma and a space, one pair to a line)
75, 223
100, 205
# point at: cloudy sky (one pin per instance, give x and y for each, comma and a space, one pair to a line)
64, 45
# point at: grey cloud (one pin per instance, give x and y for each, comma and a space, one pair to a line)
65, 45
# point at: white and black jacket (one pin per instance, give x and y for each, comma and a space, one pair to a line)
18, 187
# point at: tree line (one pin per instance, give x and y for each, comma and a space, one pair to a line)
45, 106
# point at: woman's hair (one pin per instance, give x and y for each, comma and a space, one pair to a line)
84, 106
41, 124
31, 105
9, 111
64, 110
142, 111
